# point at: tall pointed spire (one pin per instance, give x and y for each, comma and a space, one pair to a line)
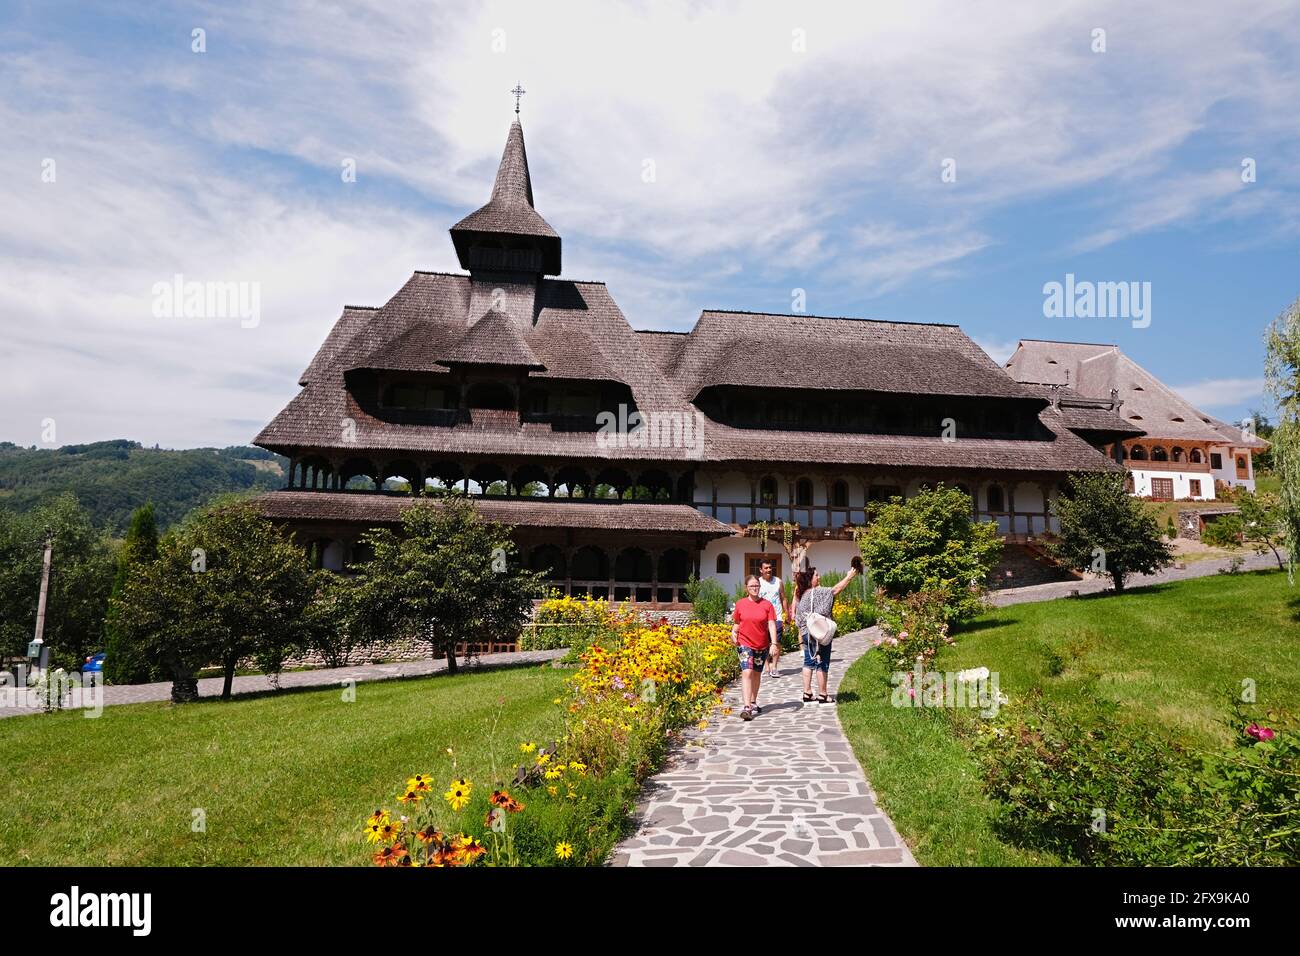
508, 233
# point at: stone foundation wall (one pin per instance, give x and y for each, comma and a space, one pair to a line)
415, 649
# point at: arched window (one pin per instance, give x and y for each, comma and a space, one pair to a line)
548, 559
1195, 457
589, 564
995, 499
767, 490
1138, 453
1159, 454
723, 565
1241, 463
803, 492
633, 564
840, 494
1176, 454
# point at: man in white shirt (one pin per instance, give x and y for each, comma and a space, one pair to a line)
771, 589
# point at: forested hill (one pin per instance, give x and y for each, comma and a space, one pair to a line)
113, 478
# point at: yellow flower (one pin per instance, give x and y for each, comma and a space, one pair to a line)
530, 746
410, 797
580, 767
379, 816
463, 784
420, 782
703, 724
457, 797
552, 775
572, 795
375, 831
563, 850
543, 759
552, 790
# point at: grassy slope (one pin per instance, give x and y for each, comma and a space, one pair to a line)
1170, 654
284, 779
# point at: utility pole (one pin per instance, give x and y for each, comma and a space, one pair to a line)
38, 648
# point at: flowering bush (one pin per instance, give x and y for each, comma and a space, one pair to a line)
653, 680
571, 622
1096, 789
913, 626
635, 687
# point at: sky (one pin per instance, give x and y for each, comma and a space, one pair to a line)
905, 161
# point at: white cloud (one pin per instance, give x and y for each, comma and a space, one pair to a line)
226, 165
1222, 392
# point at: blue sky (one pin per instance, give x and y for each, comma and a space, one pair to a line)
793, 146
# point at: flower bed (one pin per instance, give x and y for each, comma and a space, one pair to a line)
569, 799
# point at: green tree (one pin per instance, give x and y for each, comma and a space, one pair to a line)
226, 585
1282, 375
1262, 524
930, 543
447, 575
81, 576
124, 663
1107, 531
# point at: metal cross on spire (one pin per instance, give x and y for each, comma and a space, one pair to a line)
518, 91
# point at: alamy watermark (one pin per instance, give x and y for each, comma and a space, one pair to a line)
976, 688
51, 690
682, 430
179, 299
1084, 299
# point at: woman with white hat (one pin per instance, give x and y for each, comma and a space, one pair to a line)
813, 607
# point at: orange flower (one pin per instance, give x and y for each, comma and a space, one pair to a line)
390, 855
428, 835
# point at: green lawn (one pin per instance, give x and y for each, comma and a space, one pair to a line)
1170, 654
284, 780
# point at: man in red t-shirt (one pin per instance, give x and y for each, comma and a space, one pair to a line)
754, 633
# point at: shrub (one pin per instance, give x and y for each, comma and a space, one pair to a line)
929, 543
1223, 532
708, 600
570, 622
915, 626
1096, 789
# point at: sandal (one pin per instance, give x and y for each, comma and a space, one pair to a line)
807, 698
823, 699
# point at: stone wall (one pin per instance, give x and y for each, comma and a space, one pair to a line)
415, 649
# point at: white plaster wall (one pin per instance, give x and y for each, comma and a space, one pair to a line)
1228, 473
1182, 486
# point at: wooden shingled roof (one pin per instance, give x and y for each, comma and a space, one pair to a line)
370, 509
561, 329
1093, 370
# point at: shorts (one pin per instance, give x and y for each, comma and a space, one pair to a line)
816, 657
751, 658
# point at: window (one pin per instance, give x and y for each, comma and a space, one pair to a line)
1162, 489
1194, 487
1177, 454
1138, 453
995, 498
767, 491
840, 494
803, 492
1216, 460
1159, 454
1196, 457
1242, 469
723, 565
753, 560
884, 492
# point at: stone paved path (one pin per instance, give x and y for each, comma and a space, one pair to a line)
323, 677
1094, 585
781, 790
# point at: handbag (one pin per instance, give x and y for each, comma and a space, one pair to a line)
820, 628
